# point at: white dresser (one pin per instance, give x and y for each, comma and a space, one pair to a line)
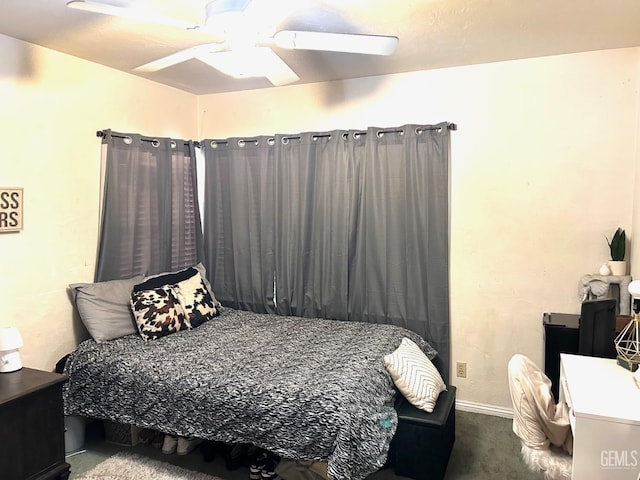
605, 417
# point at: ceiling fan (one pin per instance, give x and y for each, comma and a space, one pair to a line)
243, 39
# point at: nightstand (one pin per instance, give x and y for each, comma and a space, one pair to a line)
32, 426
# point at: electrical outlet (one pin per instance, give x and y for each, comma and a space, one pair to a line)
461, 369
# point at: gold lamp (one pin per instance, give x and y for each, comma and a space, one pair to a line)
628, 340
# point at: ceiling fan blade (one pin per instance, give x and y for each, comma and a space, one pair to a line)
251, 62
279, 72
336, 42
179, 57
130, 13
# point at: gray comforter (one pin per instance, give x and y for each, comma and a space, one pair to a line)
303, 388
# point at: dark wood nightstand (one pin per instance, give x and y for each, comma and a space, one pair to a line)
32, 426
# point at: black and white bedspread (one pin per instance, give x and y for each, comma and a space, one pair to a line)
303, 388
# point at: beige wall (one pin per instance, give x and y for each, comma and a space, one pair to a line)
635, 246
543, 165
52, 106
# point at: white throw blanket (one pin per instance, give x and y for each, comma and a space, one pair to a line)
537, 420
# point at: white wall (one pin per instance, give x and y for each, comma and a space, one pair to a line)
52, 106
543, 165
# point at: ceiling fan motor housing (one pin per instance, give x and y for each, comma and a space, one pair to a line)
223, 17
221, 7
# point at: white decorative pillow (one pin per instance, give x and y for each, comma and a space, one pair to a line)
414, 375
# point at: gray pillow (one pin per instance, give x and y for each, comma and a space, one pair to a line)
104, 307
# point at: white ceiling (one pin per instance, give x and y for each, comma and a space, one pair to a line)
432, 34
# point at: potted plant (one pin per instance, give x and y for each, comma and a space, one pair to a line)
617, 246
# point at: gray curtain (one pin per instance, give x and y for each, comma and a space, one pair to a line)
239, 225
150, 219
351, 225
313, 185
399, 252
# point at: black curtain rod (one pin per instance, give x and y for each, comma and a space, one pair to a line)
102, 134
450, 126
285, 139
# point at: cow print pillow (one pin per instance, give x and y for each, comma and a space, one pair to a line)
158, 312
196, 300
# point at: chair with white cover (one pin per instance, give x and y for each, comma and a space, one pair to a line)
541, 424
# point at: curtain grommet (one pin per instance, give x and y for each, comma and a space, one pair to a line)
155, 142
128, 140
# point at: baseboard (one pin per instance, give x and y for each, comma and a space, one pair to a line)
474, 407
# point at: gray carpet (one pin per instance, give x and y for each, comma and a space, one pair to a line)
485, 449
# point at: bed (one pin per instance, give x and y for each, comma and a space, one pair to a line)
306, 389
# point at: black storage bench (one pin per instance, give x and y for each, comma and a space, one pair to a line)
423, 441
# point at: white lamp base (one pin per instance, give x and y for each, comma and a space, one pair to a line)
10, 361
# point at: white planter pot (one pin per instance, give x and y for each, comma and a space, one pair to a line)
618, 267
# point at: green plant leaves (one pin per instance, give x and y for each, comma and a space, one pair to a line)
617, 245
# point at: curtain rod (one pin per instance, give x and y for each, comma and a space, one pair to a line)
102, 134
286, 138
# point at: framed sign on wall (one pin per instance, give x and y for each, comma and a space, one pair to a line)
10, 209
